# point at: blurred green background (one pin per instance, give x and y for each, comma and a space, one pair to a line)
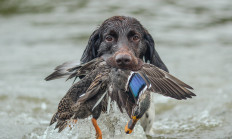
193, 38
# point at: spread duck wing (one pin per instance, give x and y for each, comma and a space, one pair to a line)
85, 68
97, 88
62, 71
166, 84
73, 69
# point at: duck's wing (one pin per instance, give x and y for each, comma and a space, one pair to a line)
164, 83
62, 70
65, 111
86, 68
95, 93
74, 69
98, 85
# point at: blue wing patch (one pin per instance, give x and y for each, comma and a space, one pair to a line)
136, 84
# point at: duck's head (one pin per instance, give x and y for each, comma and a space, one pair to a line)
139, 89
138, 111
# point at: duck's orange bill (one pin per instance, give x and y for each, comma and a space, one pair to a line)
97, 128
131, 124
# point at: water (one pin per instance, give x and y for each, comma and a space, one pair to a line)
192, 37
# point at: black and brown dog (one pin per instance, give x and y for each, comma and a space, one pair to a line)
121, 41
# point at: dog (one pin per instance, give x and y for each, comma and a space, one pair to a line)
121, 41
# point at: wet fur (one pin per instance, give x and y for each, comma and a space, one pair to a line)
97, 47
146, 49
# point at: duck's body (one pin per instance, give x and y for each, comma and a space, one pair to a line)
79, 101
129, 89
132, 89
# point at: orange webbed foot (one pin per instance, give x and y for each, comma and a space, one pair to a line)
97, 128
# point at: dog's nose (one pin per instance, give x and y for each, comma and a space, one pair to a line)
123, 59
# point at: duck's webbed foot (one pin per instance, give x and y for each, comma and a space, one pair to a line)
97, 128
131, 124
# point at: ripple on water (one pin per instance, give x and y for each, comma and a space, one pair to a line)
184, 125
191, 38
112, 126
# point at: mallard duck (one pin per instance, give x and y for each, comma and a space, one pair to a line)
75, 105
103, 84
136, 86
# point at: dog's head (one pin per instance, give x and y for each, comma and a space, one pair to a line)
123, 42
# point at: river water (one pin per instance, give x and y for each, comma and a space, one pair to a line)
194, 39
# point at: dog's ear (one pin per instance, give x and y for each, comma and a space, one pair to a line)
151, 54
90, 51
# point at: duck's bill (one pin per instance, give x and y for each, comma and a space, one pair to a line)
130, 125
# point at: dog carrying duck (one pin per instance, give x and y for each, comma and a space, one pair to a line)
119, 64
103, 84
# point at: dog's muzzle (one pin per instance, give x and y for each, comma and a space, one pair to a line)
124, 60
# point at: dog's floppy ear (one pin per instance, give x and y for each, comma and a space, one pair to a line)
90, 51
151, 54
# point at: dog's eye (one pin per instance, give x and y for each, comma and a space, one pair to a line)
135, 38
109, 38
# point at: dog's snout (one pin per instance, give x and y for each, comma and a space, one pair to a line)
123, 59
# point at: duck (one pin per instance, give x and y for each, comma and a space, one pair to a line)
80, 99
134, 94
100, 85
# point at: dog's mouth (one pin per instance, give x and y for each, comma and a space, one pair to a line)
124, 61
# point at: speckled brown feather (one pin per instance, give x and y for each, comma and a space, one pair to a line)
82, 97
164, 83
86, 68
64, 111
87, 85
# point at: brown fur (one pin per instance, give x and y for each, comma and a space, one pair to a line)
128, 37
